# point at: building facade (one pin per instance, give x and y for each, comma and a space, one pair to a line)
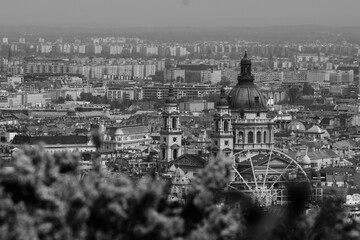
170, 133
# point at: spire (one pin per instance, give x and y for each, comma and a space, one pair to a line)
222, 101
171, 98
245, 55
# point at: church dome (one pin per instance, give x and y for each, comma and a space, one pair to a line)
296, 126
306, 160
246, 96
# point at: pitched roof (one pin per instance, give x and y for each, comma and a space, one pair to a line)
343, 144
20, 116
315, 129
189, 160
45, 114
326, 121
50, 140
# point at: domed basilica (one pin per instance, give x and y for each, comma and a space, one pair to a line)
241, 120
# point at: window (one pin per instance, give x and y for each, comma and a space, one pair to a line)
174, 139
226, 142
174, 125
242, 115
258, 137
226, 126
216, 142
265, 137
164, 139
241, 137
258, 114
163, 154
250, 137
175, 153
165, 122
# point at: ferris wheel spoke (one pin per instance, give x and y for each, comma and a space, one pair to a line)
277, 179
279, 172
242, 178
267, 168
253, 172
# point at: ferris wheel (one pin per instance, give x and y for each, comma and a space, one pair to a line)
263, 174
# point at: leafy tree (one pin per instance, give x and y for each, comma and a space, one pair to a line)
308, 90
68, 97
294, 94
42, 197
60, 100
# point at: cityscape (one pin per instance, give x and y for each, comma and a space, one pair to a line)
183, 132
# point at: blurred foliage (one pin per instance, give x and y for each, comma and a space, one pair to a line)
43, 197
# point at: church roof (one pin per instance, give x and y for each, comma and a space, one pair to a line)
246, 96
189, 160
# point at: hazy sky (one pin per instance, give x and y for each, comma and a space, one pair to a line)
133, 13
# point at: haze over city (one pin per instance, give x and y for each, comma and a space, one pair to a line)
179, 119
185, 13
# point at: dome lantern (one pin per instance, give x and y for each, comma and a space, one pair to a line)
246, 96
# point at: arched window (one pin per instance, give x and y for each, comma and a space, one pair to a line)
250, 137
265, 141
165, 122
174, 121
226, 126
217, 126
258, 137
163, 154
240, 137
175, 153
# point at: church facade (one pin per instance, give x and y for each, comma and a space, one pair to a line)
241, 121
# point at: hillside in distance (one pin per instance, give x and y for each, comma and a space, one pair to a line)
269, 34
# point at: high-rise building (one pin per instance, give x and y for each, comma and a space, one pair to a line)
174, 75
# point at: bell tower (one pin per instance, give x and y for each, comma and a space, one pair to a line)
170, 133
222, 137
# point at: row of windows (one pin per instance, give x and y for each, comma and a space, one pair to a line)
250, 138
174, 154
174, 139
173, 123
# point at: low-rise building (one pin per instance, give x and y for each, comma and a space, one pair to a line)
119, 138
54, 144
